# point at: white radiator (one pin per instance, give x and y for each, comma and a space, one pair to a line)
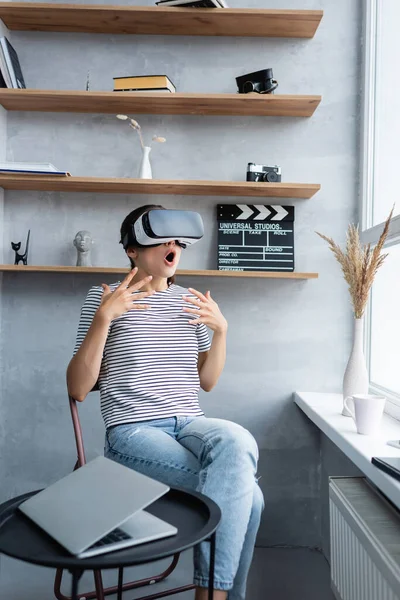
365, 542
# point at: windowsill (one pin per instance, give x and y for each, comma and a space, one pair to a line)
325, 411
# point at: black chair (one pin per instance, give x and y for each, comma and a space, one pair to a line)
99, 591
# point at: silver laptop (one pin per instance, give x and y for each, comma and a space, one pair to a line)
99, 508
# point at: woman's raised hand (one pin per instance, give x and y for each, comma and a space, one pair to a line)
116, 303
207, 311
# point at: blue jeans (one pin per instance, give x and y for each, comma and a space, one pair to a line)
212, 456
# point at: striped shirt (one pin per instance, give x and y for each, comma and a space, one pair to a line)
149, 366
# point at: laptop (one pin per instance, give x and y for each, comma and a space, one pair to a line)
99, 508
390, 465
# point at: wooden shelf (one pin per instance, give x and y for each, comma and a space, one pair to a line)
159, 103
29, 16
182, 272
34, 16
157, 186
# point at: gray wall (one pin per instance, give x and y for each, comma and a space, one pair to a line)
3, 147
3, 138
283, 336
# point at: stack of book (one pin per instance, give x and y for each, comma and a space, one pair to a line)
15, 168
144, 83
194, 3
10, 69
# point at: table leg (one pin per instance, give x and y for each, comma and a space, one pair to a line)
211, 571
76, 575
120, 582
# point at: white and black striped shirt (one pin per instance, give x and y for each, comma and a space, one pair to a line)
149, 367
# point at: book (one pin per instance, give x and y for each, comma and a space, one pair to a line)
194, 3
32, 168
2, 81
143, 82
5, 75
149, 90
13, 65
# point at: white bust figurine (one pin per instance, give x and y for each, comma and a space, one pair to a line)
83, 243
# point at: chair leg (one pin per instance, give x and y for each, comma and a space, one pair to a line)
100, 592
98, 582
57, 585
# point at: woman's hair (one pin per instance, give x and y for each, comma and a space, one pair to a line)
128, 222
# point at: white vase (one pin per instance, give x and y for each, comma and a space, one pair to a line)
145, 166
355, 380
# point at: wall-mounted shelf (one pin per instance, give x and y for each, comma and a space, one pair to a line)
125, 270
159, 103
157, 186
34, 16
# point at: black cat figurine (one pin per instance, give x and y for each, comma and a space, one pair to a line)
16, 246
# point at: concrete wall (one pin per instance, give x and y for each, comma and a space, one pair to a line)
3, 148
283, 336
3, 139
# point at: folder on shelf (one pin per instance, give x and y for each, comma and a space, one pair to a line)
2, 80
10, 66
144, 83
26, 168
5, 79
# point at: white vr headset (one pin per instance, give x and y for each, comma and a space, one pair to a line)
158, 226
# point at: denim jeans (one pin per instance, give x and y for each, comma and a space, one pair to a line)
212, 456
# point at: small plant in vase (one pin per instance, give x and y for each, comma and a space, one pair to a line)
145, 166
359, 265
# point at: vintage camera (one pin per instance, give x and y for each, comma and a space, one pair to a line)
263, 173
262, 82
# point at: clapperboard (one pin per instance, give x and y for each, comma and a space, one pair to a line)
255, 237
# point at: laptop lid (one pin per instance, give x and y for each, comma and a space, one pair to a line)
87, 504
390, 465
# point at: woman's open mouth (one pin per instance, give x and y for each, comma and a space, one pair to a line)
169, 258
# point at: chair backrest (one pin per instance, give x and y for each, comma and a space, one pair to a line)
78, 433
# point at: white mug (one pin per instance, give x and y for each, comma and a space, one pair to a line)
367, 413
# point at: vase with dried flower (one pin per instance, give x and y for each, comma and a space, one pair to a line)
145, 171
359, 265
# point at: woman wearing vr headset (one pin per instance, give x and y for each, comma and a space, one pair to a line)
145, 344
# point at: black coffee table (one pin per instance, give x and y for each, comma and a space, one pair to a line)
195, 516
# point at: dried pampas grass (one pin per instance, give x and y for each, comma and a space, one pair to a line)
359, 263
135, 125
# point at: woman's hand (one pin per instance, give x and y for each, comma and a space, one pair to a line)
207, 310
116, 303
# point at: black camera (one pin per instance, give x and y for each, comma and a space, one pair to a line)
263, 173
262, 82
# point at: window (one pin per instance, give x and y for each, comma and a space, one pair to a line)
385, 324
379, 191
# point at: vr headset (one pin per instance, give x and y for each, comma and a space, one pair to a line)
158, 226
